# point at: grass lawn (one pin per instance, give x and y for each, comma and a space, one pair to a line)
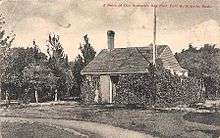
206, 118
157, 123
33, 130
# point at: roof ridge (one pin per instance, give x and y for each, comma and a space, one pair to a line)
149, 46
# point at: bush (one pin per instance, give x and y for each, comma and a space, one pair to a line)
88, 91
160, 88
133, 89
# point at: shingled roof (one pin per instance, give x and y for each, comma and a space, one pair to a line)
122, 60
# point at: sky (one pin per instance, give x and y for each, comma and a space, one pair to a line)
72, 19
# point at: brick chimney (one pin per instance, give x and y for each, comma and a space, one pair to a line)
110, 37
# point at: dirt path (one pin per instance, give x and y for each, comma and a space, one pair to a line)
74, 127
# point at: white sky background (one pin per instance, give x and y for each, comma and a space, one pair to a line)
35, 19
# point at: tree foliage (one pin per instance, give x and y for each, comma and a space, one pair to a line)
17, 60
39, 78
58, 62
88, 54
203, 63
87, 51
5, 45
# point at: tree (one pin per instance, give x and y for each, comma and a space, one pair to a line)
5, 45
17, 60
37, 77
58, 62
203, 63
76, 68
88, 54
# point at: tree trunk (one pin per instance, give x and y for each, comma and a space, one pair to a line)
7, 99
0, 93
36, 96
56, 96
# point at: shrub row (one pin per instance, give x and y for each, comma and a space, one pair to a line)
160, 88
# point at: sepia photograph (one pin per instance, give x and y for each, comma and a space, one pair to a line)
109, 69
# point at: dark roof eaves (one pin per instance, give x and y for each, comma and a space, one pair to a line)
109, 73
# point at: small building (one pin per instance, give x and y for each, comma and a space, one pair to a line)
113, 62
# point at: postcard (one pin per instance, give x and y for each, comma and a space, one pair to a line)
109, 68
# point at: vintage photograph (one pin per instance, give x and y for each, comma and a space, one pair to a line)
109, 68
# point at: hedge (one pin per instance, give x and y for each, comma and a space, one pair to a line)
160, 88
